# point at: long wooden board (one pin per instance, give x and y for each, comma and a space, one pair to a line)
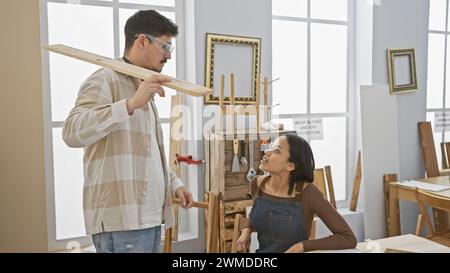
128, 69
356, 184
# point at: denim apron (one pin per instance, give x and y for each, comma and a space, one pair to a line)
279, 224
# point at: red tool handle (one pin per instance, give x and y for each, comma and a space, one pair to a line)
188, 159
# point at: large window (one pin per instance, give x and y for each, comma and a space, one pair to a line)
438, 95
311, 49
96, 26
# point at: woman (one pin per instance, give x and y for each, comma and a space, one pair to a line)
286, 201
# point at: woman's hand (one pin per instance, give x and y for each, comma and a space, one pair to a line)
243, 243
297, 248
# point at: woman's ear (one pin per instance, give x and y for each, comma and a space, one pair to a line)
290, 167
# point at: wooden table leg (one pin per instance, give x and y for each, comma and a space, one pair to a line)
394, 215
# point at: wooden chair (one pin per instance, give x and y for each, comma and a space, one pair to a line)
323, 180
387, 179
212, 227
432, 168
437, 202
445, 155
428, 149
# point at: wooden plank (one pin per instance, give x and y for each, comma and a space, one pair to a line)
128, 69
235, 179
200, 205
221, 166
330, 186
222, 234
356, 184
258, 96
214, 164
266, 100
213, 226
207, 163
236, 192
175, 148
168, 240
210, 221
419, 225
447, 158
444, 156
394, 216
387, 179
206, 197
238, 204
236, 234
221, 110
428, 149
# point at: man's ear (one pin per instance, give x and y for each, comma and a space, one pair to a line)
140, 42
291, 167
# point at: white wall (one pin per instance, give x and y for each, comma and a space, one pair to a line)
402, 24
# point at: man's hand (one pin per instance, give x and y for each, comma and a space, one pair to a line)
243, 242
185, 197
147, 91
297, 248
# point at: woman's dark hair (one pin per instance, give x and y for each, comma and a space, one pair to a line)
301, 156
148, 22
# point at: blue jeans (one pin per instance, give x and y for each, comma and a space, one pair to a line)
130, 241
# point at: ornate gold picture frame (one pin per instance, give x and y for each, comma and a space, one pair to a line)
227, 54
402, 70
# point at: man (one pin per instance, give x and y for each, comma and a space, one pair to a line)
128, 188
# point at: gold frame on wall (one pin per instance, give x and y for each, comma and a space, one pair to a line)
213, 39
393, 85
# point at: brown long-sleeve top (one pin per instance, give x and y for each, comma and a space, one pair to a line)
314, 203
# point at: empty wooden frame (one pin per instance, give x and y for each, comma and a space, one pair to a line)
402, 70
232, 54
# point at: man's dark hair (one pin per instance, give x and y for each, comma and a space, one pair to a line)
301, 155
148, 22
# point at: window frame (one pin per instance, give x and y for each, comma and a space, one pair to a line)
179, 10
444, 108
350, 112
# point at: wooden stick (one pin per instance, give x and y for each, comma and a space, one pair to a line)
128, 69
202, 205
222, 94
266, 102
174, 148
236, 232
222, 246
168, 241
232, 104
258, 91
356, 184
419, 224
330, 186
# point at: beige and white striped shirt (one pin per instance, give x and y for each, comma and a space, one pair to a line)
127, 184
